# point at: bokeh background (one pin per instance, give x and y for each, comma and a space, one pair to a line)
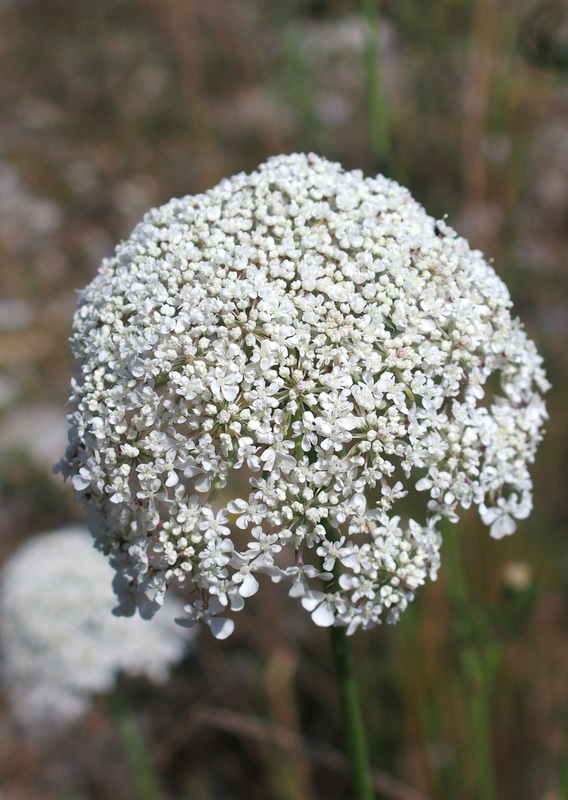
110, 107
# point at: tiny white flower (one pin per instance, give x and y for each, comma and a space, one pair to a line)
500, 516
302, 573
322, 607
221, 627
248, 512
214, 524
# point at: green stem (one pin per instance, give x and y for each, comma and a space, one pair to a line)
376, 105
133, 744
564, 766
476, 669
352, 717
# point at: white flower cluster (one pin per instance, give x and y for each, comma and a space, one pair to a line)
318, 334
60, 642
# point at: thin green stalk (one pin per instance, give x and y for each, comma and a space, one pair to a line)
300, 88
352, 717
376, 105
564, 766
131, 739
477, 669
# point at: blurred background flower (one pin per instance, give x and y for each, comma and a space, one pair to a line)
109, 108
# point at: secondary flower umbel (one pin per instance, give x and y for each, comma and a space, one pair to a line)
320, 333
60, 644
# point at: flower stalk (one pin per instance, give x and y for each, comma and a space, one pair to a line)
478, 657
376, 104
352, 717
135, 750
350, 704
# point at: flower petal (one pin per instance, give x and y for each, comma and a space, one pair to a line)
249, 586
323, 615
311, 599
221, 627
503, 526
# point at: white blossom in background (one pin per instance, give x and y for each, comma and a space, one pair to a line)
59, 641
320, 333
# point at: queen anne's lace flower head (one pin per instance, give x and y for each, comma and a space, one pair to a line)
60, 642
319, 334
